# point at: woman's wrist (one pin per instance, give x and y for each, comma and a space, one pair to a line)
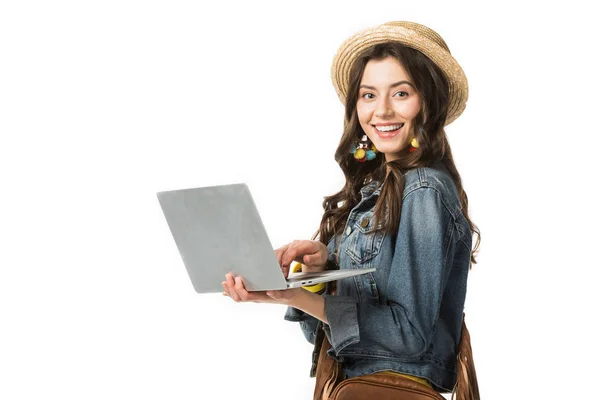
311, 303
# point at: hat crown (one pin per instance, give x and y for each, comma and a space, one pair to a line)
421, 30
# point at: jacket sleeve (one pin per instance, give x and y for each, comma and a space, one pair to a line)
308, 323
422, 258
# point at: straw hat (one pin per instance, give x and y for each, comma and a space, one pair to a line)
413, 35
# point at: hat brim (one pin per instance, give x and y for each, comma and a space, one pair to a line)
351, 49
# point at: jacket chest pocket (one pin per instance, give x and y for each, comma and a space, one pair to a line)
364, 242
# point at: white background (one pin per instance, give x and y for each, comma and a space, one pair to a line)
102, 104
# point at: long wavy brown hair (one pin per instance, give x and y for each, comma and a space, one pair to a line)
434, 149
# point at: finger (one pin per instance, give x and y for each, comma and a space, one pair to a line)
295, 249
225, 287
285, 260
240, 289
257, 297
312, 254
232, 289
316, 259
279, 253
298, 249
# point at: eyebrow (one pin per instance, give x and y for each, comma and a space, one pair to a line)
393, 85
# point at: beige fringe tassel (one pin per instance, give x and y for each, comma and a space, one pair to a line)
466, 387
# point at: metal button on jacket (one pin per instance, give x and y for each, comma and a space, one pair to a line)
348, 231
364, 222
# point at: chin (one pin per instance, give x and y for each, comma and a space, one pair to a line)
387, 149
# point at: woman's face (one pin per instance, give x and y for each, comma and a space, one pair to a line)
387, 105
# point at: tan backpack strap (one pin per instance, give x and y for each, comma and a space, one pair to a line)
328, 373
466, 387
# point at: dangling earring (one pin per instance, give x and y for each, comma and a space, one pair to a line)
414, 143
364, 150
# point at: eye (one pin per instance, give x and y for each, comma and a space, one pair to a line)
401, 94
367, 96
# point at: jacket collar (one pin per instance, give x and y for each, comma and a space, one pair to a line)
370, 189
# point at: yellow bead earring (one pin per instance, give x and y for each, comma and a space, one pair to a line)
414, 143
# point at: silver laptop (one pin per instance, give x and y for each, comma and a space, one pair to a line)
218, 230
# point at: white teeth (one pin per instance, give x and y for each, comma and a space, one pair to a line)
388, 128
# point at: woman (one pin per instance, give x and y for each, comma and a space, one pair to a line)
402, 210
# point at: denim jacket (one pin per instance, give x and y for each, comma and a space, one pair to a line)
407, 315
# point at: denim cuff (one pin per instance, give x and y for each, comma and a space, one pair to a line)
308, 323
294, 315
342, 318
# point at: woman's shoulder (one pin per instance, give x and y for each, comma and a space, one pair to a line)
433, 178
436, 177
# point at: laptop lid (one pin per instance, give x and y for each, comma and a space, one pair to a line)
218, 230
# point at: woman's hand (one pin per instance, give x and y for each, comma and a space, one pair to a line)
311, 253
310, 303
234, 288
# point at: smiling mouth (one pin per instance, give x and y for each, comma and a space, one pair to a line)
388, 130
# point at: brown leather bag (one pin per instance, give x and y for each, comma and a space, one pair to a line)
330, 384
383, 386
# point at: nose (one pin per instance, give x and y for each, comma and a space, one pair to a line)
383, 108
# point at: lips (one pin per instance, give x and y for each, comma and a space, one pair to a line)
388, 130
